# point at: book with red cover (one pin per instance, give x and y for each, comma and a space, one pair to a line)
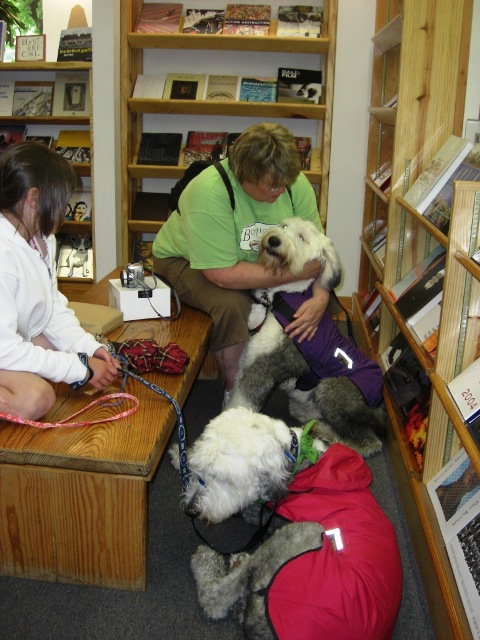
159, 17
205, 145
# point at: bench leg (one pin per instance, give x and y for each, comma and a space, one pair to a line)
71, 526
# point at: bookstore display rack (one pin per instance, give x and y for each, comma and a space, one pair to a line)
417, 102
50, 125
136, 46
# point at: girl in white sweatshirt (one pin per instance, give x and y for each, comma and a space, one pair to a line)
41, 340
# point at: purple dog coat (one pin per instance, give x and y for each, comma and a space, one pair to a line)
320, 351
349, 594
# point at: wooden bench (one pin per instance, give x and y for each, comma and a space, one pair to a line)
73, 501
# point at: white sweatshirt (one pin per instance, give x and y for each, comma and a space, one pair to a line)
30, 304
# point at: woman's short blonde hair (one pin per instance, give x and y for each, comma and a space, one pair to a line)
265, 149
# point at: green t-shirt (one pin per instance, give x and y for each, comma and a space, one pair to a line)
210, 235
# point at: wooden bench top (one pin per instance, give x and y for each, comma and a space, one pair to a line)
132, 445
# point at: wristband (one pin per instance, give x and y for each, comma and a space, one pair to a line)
90, 373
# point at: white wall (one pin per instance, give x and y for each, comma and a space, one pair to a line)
56, 14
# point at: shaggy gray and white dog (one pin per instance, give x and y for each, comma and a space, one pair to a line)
272, 358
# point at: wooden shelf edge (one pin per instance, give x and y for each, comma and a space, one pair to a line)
426, 224
390, 36
371, 185
45, 66
385, 115
145, 226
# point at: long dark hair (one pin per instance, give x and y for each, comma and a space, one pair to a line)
32, 165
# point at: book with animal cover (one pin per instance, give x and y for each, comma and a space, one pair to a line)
440, 209
79, 206
465, 391
205, 145
425, 289
149, 86
455, 495
3, 38
11, 134
75, 45
71, 96
159, 17
32, 99
184, 86
220, 87
150, 205
160, 148
247, 20
7, 87
75, 258
412, 276
203, 21
304, 146
74, 145
299, 85
300, 21
258, 89
452, 151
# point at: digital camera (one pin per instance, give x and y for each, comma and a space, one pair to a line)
133, 276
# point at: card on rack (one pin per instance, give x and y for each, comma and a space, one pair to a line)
206, 21
6, 97
71, 95
258, 89
465, 390
247, 20
299, 21
32, 99
299, 85
424, 291
11, 134
75, 45
159, 17
160, 149
184, 86
220, 87
205, 145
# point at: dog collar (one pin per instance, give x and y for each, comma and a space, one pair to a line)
266, 303
292, 453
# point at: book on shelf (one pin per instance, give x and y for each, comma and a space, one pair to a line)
206, 21
74, 145
426, 308
222, 87
304, 146
160, 148
11, 134
150, 205
3, 38
32, 99
71, 96
48, 140
75, 257
382, 177
393, 351
149, 86
75, 45
299, 21
455, 495
79, 206
465, 391
370, 302
426, 327
380, 252
184, 86
473, 428
142, 251
247, 20
159, 17
447, 158
299, 85
6, 97
440, 208
258, 89
205, 145
424, 291
375, 233
412, 276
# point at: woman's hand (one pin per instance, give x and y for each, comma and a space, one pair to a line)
105, 369
308, 316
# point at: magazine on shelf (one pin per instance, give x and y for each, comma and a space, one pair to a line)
75, 45
206, 21
184, 86
222, 87
32, 99
300, 21
465, 391
160, 148
247, 20
299, 85
74, 145
205, 145
159, 17
71, 96
424, 291
258, 89
410, 278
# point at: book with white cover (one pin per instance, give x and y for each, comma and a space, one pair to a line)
465, 390
6, 97
149, 86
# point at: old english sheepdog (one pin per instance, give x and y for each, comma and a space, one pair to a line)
327, 378
332, 567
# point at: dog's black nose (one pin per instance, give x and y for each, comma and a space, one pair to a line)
274, 241
191, 511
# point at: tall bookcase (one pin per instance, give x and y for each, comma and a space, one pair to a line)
33, 72
412, 61
141, 52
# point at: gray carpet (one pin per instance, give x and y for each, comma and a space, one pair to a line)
31, 610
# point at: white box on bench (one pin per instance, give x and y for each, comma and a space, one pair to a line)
139, 303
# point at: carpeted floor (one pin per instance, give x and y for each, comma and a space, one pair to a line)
31, 610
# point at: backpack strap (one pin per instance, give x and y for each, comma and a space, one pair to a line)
226, 181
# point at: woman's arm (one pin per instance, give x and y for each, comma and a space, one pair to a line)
251, 275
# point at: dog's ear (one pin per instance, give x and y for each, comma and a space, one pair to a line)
332, 267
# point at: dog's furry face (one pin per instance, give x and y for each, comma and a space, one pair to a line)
296, 242
238, 458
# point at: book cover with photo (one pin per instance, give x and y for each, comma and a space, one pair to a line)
299, 85
304, 146
75, 257
79, 206
258, 89
142, 251
205, 145
71, 95
75, 45
206, 21
247, 20
32, 99
74, 145
184, 86
159, 17
160, 148
300, 21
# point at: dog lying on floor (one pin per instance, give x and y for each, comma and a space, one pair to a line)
298, 583
327, 378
